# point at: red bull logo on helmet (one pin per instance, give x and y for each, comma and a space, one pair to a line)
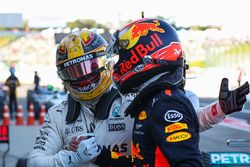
131, 35
141, 29
173, 52
139, 52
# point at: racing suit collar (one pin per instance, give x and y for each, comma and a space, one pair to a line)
91, 104
102, 106
155, 85
145, 84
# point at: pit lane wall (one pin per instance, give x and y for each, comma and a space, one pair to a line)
22, 139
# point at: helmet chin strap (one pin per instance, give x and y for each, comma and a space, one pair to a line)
90, 97
92, 103
87, 103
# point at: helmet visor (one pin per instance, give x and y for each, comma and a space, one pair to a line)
79, 70
87, 83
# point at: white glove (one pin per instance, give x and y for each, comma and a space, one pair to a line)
87, 151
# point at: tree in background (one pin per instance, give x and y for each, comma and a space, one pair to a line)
86, 23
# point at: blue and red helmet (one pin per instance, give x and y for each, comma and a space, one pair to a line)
146, 48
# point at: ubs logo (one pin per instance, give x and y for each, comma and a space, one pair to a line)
74, 129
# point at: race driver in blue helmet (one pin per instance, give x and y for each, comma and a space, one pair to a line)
166, 128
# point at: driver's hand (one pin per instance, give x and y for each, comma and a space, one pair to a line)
232, 101
87, 151
73, 145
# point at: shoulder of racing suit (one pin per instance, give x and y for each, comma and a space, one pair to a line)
60, 108
172, 98
104, 104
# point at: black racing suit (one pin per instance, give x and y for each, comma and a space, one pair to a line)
165, 133
12, 82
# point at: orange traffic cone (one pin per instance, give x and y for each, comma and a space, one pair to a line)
6, 115
31, 115
42, 114
19, 115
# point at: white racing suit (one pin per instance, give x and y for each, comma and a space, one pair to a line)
114, 133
